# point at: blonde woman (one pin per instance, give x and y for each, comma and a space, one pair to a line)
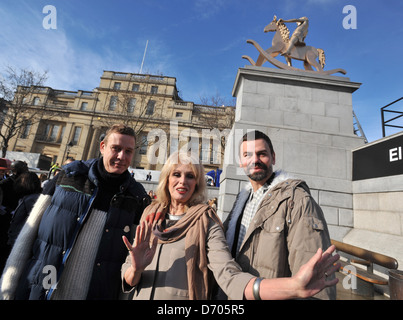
180, 244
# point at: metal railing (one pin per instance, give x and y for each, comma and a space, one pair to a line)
385, 123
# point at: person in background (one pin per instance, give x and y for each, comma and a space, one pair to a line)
8, 198
53, 169
8, 203
149, 177
28, 188
151, 194
43, 178
68, 160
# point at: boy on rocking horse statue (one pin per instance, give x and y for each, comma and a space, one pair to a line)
299, 35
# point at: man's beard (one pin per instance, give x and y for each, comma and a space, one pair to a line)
258, 176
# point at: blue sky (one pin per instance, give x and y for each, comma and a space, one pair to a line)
201, 42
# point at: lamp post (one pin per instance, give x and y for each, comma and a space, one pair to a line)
68, 147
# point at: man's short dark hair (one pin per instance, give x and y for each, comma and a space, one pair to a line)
256, 135
119, 128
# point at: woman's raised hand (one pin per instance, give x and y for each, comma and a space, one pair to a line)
316, 274
142, 251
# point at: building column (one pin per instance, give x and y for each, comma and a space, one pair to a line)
94, 144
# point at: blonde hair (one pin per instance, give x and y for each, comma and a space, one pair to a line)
162, 192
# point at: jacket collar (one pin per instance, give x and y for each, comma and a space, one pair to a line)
90, 169
237, 210
279, 176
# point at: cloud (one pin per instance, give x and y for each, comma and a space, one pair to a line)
71, 65
47, 50
208, 8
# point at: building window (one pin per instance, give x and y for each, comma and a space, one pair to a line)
150, 107
36, 101
143, 144
179, 115
25, 130
154, 89
215, 154
205, 151
76, 135
131, 104
84, 106
193, 145
52, 133
136, 87
113, 103
116, 86
174, 145
210, 151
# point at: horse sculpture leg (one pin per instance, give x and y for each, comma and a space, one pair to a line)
307, 66
310, 60
289, 61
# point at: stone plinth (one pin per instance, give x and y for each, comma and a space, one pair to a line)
309, 119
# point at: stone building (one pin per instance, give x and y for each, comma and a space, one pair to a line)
163, 122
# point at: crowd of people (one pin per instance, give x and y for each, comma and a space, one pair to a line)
19, 190
104, 237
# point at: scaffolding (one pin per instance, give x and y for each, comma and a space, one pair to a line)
385, 123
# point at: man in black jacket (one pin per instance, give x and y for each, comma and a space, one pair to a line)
83, 213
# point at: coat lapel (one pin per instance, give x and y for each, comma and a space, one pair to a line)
235, 214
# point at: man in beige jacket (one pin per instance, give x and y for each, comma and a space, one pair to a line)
275, 226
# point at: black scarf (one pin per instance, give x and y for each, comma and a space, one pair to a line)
108, 185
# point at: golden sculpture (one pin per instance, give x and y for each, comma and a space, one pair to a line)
291, 48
